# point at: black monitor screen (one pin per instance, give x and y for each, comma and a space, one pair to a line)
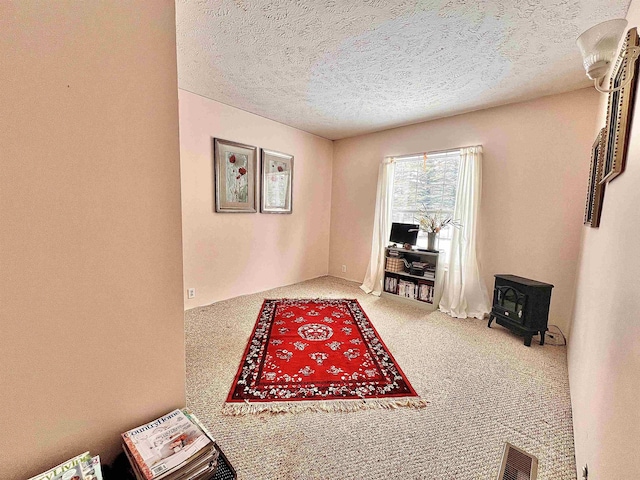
404, 233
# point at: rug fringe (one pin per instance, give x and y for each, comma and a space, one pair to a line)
248, 408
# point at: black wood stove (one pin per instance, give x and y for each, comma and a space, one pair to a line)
521, 305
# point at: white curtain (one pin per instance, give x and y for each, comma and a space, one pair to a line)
381, 228
463, 291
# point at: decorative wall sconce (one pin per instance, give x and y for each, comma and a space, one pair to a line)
599, 46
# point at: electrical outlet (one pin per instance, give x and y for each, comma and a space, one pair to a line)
344, 269
191, 293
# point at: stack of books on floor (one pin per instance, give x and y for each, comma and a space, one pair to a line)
176, 446
82, 467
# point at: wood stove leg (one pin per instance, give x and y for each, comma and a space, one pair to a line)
542, 337
490, 320
527, 340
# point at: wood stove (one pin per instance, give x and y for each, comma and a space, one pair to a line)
521, 305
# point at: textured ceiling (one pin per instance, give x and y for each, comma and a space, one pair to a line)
341, 68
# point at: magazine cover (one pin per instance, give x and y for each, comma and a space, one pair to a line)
216, 453
197, 421
164, 444
91, 469
134, 466
69, 470
195, 469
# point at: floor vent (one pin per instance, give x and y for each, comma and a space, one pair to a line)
517, 464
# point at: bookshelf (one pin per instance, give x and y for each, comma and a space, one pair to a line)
413, 286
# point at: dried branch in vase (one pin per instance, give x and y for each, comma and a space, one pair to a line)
434, 222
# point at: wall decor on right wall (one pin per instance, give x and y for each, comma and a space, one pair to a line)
595, 192
277, 182
620, 108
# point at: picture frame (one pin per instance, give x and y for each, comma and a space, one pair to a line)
235, 176
595, 192
277, 182
620, 109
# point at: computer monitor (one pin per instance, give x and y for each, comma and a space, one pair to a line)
404, 233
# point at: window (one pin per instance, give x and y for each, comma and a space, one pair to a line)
429, 185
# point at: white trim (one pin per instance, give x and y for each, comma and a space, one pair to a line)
435, 153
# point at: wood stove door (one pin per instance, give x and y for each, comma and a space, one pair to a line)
509, 302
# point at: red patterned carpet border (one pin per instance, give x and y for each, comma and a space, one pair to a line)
322, 355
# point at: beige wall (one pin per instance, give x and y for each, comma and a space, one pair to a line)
231, 254
534, 183
91, 312
604, 351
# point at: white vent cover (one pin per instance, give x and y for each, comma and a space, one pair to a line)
517, 464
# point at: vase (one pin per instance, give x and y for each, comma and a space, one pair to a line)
431, 240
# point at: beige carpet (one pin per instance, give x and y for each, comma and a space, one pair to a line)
484, 385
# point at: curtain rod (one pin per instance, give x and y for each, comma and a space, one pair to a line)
434, 152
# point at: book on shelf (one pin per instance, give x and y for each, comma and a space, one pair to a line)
175, 446
430, 272
80, 467
390, 284
407, 289
425, 292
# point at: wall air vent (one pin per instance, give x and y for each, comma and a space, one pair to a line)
517, 464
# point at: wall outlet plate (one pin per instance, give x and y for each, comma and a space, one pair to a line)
191, 293
344, 269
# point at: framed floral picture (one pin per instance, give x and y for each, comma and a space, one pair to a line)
277, 182
595, 192
620, 109
236, 176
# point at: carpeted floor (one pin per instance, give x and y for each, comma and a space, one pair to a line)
484, 385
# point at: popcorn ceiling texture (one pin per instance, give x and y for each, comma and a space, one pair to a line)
342, 68
484, 387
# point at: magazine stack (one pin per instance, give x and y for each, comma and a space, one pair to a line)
82, 467
176, 446
430, 272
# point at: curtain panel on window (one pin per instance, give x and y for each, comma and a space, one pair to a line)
464, 293
381, 228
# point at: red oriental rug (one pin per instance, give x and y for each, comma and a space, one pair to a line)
317, 355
